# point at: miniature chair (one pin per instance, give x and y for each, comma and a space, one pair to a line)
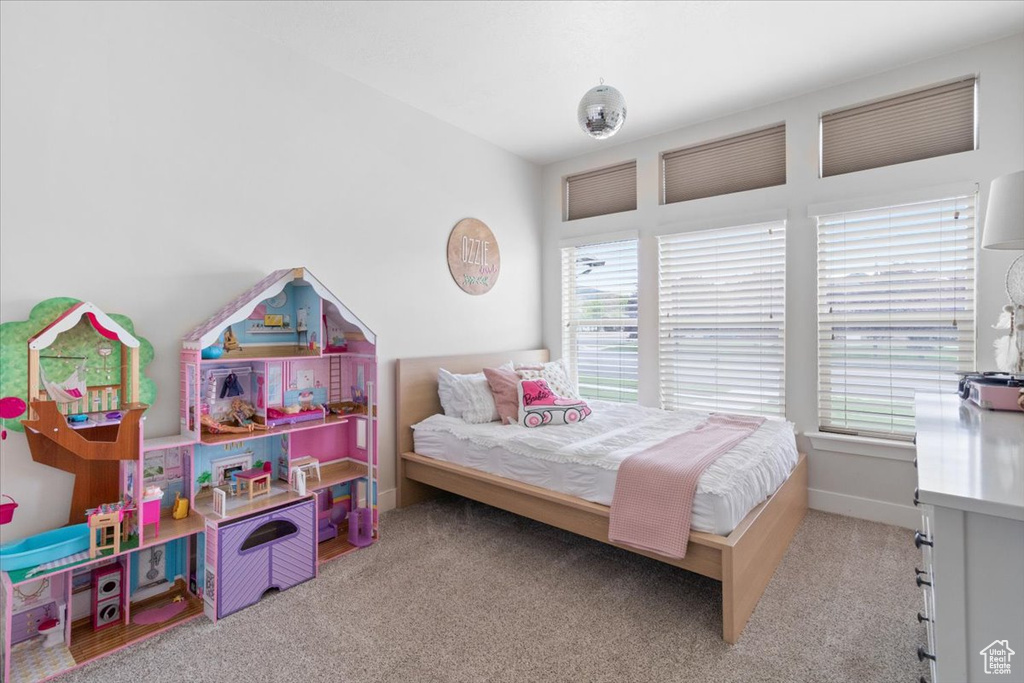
108, 528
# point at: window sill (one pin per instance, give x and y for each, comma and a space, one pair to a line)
862, 445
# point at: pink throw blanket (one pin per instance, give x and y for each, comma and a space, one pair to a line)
654, 489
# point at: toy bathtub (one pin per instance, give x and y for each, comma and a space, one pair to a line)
45, 547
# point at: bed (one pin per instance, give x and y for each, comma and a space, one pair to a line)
743, 559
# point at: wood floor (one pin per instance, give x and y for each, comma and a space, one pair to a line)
87, 644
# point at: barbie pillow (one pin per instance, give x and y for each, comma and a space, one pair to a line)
539, 406
556, 374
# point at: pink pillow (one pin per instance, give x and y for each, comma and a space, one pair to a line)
505, 388
539, 405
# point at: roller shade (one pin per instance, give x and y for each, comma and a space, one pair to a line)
920, 125
895, 312
599, 318
743, 162
722, 323
596, 193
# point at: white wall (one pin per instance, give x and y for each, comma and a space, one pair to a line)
157, 160
877, 486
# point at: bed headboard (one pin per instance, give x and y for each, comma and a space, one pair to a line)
416, 384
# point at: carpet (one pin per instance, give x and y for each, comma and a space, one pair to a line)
158, 615
457, 592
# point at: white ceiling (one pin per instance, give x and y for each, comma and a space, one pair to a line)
513, 73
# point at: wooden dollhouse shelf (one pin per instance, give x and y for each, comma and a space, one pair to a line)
171, 529
204, 505
214, 439
88, 644
251, 352
336, 473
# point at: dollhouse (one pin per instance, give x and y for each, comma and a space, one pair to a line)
272, 474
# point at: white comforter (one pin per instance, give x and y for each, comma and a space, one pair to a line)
753, 470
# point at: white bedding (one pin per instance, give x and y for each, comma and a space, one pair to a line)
582, 459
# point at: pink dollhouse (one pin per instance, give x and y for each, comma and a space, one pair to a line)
280, 383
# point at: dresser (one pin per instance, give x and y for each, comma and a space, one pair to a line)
970, 475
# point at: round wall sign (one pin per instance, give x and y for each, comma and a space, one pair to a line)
473, 256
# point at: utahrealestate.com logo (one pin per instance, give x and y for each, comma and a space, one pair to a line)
997, 657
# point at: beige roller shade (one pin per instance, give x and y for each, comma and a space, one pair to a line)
742, 162
920, 125
895, 312
600, 192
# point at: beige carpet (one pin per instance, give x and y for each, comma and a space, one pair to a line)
457, 591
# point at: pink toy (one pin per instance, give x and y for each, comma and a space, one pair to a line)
7, 510
538, 405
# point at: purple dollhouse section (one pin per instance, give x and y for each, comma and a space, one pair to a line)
242, 306
275, 550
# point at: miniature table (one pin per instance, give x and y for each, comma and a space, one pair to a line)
306, 462
257, 480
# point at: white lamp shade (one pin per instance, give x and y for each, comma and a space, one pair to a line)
1004, 218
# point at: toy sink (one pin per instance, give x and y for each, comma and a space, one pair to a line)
45, 547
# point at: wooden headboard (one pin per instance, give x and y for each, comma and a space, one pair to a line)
416, 384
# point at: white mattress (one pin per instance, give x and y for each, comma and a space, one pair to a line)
583, 459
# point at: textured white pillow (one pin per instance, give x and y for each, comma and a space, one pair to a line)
468, 396
555, 373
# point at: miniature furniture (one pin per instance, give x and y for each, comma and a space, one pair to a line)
971, 495
151, 513
256, 480
306, 462
105, 532
108, 587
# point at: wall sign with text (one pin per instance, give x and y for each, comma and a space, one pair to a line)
473, 256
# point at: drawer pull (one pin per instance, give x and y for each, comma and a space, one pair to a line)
915, 462
922, 618
917, 497
923, 680
922, 582
918, 572
923, 655
920, 540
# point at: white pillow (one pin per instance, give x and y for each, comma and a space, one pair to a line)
555, 373
468, 397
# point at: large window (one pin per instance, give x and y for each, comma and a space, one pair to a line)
599, 316
600, 192
722, 320
895, 312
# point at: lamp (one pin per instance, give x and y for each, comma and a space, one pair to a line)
1004, 229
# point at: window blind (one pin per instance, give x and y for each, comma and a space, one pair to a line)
742, 162
722, 300
599, 318
600, 192
895, 312
919, 125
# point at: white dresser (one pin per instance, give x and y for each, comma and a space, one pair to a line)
970, 474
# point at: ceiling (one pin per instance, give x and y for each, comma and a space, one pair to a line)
513, 73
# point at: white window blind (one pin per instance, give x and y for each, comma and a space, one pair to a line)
736, 164
599, 316
722, 300
919, 125
600, 192
895, 312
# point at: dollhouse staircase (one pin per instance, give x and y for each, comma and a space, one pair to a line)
93, 455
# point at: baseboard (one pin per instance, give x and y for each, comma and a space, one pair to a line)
387, 500
905, 516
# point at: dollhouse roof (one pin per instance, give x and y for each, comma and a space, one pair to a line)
239, 308
99, 320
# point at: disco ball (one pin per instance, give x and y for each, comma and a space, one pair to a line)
602, 112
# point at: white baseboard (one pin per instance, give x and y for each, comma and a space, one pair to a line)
906, 516
386, 500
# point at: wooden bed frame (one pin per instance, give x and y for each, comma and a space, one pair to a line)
743, 561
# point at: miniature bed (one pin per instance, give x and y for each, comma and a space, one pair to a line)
743, 561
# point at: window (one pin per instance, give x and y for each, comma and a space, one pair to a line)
599, 315
735, 164
721, 313
895, 312
919, 125
596, 193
